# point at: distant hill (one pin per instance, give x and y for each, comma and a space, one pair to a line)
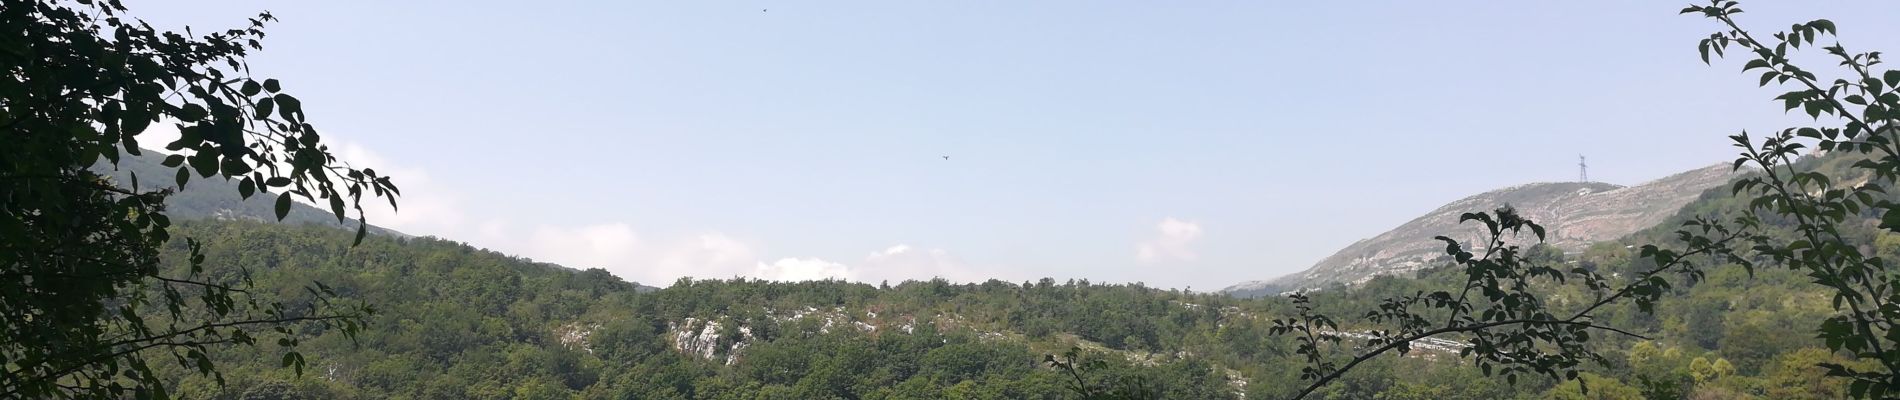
1576, 214
459, 322
216, 198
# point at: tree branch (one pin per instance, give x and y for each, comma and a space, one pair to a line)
1467, 328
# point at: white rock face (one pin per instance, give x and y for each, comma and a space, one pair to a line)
701, 338
745, 340
696, 338
574, 335
1445, 346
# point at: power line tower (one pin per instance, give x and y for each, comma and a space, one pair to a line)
1583, 170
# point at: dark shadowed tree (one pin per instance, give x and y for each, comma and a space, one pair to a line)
1795, 219
83, 303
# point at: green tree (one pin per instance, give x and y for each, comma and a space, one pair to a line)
1510, 329
1705, 371
1702, 320
83, 301
1798, 375
1860, 110
1590, 386
1795, 216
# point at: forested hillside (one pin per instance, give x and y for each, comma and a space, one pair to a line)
1722, 331
455, 321
1777, 283
460, 322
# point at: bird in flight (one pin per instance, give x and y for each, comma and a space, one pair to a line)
946, 157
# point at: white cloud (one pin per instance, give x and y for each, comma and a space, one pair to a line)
596, 246
903, 262
893, 250
803, 269
619, 249
429, 208
708, 255
425, 206
1172, 241
896, 263
159, 134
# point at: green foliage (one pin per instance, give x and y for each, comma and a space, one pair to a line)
1589, 386
1799, 375
1826, 238
1509, 328
458, 322
85, 304
1684, 310
1808, 216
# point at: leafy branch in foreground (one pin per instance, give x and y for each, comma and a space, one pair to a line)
1072, 363
1819, 207
85, 300
1507, 327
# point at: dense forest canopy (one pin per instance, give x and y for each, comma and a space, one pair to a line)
460, 322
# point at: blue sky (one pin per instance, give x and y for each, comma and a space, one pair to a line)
1181, 144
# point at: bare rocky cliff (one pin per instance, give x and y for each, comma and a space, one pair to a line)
1575, 213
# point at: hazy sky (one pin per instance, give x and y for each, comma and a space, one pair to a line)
1177, 143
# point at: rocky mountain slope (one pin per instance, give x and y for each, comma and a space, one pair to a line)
1576, 214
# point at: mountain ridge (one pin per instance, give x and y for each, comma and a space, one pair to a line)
217, 199
1576, 213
